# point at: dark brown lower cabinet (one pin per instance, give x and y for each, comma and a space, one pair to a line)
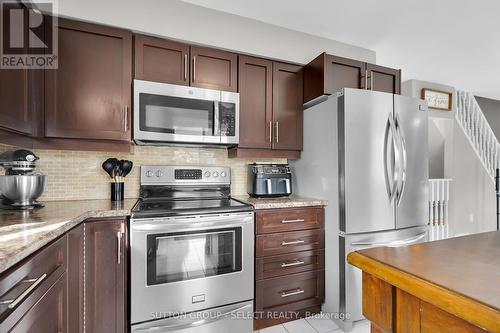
49, 314
76, 279
105, 276
289, 264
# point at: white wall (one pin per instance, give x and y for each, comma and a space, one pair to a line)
187, 22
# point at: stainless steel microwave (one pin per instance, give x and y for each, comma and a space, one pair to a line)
167, 113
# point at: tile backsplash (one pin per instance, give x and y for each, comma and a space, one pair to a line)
77, 175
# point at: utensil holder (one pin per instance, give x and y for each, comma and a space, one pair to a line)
117, 191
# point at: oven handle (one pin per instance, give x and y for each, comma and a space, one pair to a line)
189, 224
195, 322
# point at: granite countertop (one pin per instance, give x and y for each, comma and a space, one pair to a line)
24, 232
294, 201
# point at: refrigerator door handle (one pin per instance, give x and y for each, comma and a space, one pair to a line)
402, 177
394, 243
391, 177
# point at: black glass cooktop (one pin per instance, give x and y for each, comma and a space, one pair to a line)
163, 207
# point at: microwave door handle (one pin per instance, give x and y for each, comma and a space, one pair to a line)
269, 186
216, 119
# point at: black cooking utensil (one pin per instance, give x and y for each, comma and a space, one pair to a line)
108, 167
126, 167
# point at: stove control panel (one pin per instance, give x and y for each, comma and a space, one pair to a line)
178, 175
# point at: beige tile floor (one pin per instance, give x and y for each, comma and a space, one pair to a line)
314, 325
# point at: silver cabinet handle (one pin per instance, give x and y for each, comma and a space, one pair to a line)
293, 221
185, 66
194, 68
269, 186
277, 132
270, 132
293, 292
119, 247
36, 282
298, 241
125, 121
291, 264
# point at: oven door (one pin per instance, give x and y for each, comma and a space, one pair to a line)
189, 264
172, 113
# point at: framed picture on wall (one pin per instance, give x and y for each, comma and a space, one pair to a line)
438, 100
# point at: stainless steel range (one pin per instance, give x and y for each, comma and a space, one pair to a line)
192, 251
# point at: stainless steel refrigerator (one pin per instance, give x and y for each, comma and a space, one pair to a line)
366, 153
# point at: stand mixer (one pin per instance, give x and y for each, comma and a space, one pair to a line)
21, 185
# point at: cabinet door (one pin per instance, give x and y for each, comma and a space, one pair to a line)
213, 69
383, 79
88, 96
75, 279
255, 83
344, 73
49, 314
161, 60
105, 260
287, 106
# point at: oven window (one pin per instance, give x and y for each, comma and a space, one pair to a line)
176, 115
192, 255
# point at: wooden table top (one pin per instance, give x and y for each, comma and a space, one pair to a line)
453, 274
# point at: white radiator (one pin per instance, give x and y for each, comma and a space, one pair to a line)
439, 224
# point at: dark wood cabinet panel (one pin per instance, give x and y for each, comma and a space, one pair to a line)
213, 69
75, 273
16, 108
49, 314
295, 291
287, 106
290, 263
255, 85
285, 242
328, 74
161, 60
88, 96
383, 79
279, 220
105, 271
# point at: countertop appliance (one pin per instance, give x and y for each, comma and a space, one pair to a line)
269, 180
192, 250
173, 114
21, 185
366, 153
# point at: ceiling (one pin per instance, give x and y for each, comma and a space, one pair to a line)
447, 41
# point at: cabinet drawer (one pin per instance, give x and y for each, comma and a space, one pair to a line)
287, 242
279, 220
49, 314
302, 290
268, 267
24, 285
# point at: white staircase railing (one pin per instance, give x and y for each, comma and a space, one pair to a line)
482, 138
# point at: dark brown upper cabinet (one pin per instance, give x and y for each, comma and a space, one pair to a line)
383, 79
287, 106
105, 276
88, 96
161, 60
328, 74
255, 82
213, 69
270, 109
17, 105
